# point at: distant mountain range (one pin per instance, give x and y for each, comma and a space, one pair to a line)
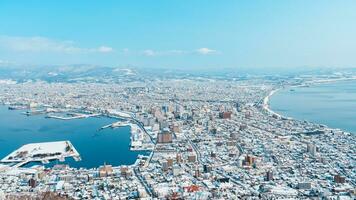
73, 73
104, 74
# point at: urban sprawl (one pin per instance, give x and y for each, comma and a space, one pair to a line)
208, 139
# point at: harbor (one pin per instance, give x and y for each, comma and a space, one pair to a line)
111, 145
139, 139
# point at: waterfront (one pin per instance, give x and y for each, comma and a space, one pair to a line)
95, 147
202, 142
332, 104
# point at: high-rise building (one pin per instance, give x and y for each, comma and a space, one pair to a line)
176, 128
124, 171
249, 160
311, 149
192, 158
178, 158
164, 137
165, 109
207, 168
213, 154
105, 171
32, 183
197, 173
269, 176
238, 106
339, 179
225, 115
164, 166
176, 170
170, 162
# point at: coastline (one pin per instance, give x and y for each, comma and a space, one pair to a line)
133, 129
266, 99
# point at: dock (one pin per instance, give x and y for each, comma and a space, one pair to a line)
116, 124
73, 116
42, 152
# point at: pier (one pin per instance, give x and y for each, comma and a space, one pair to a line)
73, 116
116, 124
42, 152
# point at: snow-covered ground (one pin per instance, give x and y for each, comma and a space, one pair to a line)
119, 113
42, 152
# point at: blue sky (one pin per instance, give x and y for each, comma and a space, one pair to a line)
179, 33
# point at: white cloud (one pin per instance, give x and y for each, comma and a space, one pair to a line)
105, 49
149, 52
206, 51
43, 44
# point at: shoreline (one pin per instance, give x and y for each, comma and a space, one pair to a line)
266, 99
133, 128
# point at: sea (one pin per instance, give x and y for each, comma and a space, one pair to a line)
96, 147
332, 104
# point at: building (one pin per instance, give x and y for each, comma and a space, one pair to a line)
164, 166
233, 135
242, 127
311, 149
176, 128
230, 143
176, 170
207, 168
164, 137
339, 179
238, 107
304, 186
32, 183
225, 115
170, 162
178, 158
248, 114
105, 171
213, 154
249, 160
269, 176
163, 125
124, 171
192, 158
196, 173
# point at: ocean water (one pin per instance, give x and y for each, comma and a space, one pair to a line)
332, 104
95, 147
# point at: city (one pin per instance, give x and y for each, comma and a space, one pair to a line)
175, 100
208, 139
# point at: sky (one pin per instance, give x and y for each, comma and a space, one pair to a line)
179, 33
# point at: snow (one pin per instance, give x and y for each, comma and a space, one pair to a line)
120, 113
28, 152
280, 190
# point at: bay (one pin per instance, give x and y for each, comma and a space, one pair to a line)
332, 104
96, 147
